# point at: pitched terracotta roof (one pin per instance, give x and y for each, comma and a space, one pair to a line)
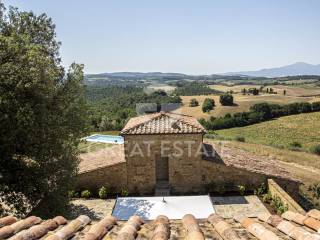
272, 227
162, 123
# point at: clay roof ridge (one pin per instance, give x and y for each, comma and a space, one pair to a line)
141, 123
167, 114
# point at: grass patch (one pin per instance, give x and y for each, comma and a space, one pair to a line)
300, 132
315, 149
115, 133
285, 155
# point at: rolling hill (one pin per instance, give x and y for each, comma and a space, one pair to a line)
299, 68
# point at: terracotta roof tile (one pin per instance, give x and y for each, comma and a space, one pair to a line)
271, 227
162, 123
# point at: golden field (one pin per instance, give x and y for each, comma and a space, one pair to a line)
242, 103
297, 91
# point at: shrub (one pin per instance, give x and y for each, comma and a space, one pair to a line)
260, 190
193, 102
315, 189
210, 187
221, 189
103, 192
71, 194
278, 205
208, 104
226, 99
240, 139
316, 106
267, 198
242, 189
295, 144
315, 149
124, 192
86, 194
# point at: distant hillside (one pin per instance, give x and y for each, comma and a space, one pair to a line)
299, 68
141, 79
294, 72
140, 74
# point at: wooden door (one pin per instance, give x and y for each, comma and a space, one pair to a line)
162, 168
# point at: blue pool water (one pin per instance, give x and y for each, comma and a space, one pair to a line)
105, 139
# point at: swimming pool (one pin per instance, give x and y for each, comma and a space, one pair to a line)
105, 139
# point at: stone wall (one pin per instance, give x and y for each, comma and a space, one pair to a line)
114, 177
221, 175
276, 190
184, 161
188, 172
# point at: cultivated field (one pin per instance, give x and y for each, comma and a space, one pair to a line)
282, 132
296, 91
242, 103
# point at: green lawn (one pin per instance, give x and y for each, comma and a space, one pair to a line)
85, 147
107, 133
282, 132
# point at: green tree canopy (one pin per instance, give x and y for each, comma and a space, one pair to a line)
193, 102
208, 104
226, 99
42, 114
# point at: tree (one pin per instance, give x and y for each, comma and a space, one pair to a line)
263, 108
208, 105
226, 100
193, 102
43, 112
316, 106
254, 91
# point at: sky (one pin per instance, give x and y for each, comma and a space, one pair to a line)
186, 36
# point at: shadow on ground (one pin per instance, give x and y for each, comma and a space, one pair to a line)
76, 210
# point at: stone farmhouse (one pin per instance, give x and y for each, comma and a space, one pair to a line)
165, 153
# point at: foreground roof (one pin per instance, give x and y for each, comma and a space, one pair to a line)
272, 227
162, 123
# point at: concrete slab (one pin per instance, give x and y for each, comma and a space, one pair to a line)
174, 207
230, 206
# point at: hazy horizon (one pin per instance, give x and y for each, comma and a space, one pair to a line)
191, 37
